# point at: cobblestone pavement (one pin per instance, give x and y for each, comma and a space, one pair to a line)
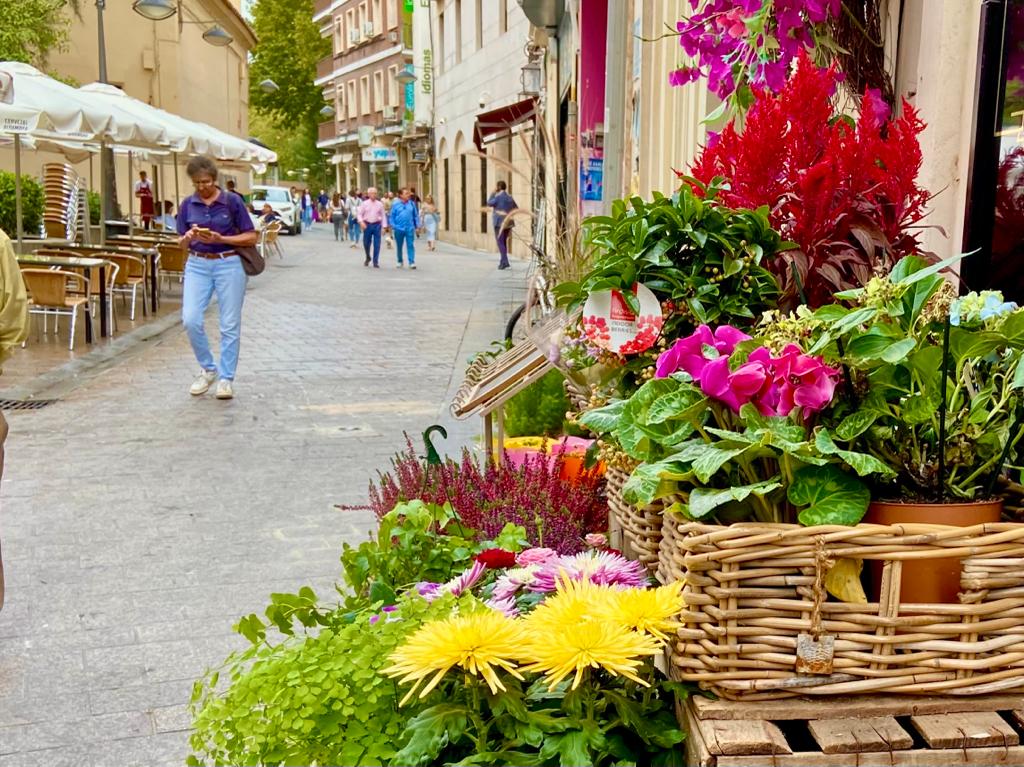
139, 523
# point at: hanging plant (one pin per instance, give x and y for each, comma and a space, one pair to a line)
743, 45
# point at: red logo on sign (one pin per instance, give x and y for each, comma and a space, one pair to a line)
620, 310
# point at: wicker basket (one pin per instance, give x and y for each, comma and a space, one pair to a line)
757, 611
641, 527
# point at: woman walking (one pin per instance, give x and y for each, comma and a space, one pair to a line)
307, 208
212, 223
336, 213
431, 218
352, 206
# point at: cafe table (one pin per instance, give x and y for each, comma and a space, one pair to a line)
152, 256
84, 264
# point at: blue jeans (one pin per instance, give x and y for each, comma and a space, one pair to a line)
372, 234
353, 229
203, 278
406, 237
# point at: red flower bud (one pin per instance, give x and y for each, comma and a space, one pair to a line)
496, 558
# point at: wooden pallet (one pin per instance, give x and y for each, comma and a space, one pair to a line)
869, 731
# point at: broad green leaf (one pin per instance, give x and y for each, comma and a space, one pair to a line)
430, 731
711, 459
830, 496
704, 500
856, 423
650, 481
920, 407
862, 463
684, 403
605, 419
1018, 375
914, 270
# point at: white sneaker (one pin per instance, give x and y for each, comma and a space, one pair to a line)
203, 382
224, 389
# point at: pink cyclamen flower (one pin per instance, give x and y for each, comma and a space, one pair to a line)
804, 381
596, 540
694, 352
536, 556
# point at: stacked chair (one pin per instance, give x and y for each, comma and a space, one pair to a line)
64, 195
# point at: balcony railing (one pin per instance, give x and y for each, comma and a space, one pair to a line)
325, 66
326, 130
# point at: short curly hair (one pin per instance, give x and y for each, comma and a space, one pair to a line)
201, 164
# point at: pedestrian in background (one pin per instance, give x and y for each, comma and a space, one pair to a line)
212, 223
389, 200
352, 208
13, 330
144, 192
231, 189
322, 201
307, 208
371, 219
404, 220
431, 219
166, 220
502, 203
338, 217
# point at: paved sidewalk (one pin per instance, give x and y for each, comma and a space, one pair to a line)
139, 523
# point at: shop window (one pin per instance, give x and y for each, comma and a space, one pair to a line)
378, 90
484, 194
447, 194
353, 106
462, 193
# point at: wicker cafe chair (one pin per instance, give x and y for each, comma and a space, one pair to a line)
270, 240
131, 275
75, 287
49, 295
172, 262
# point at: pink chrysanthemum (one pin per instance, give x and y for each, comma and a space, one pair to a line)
600, 567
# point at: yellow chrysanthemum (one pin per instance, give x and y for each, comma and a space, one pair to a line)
572, 602
575, 646
651, 611
480, 643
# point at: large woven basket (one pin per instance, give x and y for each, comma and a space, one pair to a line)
755, 601
641, 527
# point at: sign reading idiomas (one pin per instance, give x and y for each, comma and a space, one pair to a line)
609, 323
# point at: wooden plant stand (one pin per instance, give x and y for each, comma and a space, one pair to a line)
877, 731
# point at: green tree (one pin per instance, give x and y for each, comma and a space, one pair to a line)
289, 47
30, 29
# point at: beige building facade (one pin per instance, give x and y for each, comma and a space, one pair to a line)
478, 53
167, 64
371, 44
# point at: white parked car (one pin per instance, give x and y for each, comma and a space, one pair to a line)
279, 198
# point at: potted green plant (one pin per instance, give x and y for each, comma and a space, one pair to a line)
935, 392
703, 262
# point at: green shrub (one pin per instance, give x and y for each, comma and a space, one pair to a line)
31, 204
539, 410
314, 699
95, 207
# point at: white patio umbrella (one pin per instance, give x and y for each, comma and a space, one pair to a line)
44, 108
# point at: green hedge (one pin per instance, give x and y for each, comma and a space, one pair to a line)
31, 204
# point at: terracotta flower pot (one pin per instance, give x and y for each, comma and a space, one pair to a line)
929, 581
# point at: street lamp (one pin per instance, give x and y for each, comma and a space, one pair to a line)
531, 78
327, 111
216, 35
269, 86
405, 76
155, 10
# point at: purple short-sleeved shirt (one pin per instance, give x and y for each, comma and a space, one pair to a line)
225, 215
